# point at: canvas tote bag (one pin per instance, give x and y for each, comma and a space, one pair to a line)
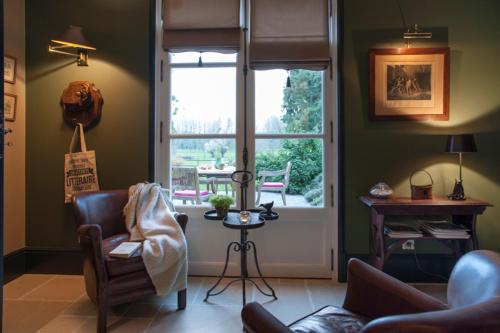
80, 170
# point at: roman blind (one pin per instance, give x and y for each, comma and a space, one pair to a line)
201, 25
289, 34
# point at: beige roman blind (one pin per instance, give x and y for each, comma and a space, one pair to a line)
289, 34
201, 25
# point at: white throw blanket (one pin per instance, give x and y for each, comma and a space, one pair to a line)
164, 250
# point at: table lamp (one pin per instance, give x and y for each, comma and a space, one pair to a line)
463, 143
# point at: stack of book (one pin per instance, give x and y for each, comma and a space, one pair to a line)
444, 229
398, 230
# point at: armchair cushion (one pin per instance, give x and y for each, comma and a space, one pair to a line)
330, 319
120, 266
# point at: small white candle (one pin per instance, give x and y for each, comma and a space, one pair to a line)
244, 216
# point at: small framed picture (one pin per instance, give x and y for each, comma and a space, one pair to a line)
9, 107
410, 84
9, 69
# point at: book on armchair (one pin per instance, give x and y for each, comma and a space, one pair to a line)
125, 249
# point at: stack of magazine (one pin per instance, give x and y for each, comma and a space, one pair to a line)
444, 229
399, 230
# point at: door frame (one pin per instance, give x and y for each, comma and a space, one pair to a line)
160, 119
1, 172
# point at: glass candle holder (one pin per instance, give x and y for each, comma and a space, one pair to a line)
244, 216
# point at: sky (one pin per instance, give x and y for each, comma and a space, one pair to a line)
207, 94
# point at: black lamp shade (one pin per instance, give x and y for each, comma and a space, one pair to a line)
73, 36
463, 143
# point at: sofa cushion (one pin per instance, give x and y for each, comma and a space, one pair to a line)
120, 266
330, 319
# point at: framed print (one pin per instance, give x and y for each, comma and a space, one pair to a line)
9, 107
410, 84
9, 69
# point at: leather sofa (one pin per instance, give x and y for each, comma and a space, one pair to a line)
101, 227
376, 302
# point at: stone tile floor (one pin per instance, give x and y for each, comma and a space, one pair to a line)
57, 303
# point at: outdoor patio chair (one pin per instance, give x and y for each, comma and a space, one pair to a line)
186, 185
274, 186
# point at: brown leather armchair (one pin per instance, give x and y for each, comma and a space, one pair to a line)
376, 302
101, 227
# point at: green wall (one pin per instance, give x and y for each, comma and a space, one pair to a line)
120, 69
390, 151
374, 151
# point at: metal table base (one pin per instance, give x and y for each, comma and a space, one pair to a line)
243, 247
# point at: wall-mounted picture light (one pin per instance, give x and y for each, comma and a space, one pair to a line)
73, 39
416, 33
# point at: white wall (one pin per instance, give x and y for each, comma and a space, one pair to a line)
14, 173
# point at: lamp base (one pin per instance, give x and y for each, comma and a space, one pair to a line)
458, 191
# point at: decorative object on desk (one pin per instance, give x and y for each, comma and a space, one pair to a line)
421, 192
9, 106
9, 69
381, 190
268, 214
463, 143
72, 39
82, 104
221, 204
409, 84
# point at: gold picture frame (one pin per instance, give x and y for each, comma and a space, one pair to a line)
9, 107
9, 69
410, 84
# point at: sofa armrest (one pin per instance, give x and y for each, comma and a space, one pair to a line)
481, 317
374, 294
182, 219
256, 319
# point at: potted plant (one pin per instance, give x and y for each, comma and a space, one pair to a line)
221, 204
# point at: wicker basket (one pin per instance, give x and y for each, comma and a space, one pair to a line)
421, 192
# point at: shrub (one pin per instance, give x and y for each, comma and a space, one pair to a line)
314, 192
306, 159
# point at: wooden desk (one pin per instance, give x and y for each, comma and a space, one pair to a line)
462, 212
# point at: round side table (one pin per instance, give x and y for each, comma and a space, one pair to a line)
232, 221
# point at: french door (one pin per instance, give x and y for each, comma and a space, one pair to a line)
290, 120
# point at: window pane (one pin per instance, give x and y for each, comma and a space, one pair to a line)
303, 184
203, 100
206, 57
203, 162
297, 109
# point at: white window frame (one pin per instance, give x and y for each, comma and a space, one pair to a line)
167, 136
